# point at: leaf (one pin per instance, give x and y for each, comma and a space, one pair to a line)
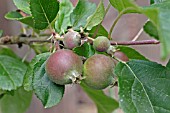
131, 53
151, 29
43, 12
143, 87
2, 93
28, 21
28, 78
13, 15
23, 5
98, 31
12, 73
18, 103
103, 103
63, 20
168, 64
156, 1
48, 92
41, 48
97, 16
152, 1
1, 33
82, 11
159, 14
121, 5
8, 52
85, 50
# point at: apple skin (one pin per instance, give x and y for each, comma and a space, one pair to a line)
98, 71
101, 44
72, 39
64, 67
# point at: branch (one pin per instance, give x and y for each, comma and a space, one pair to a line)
142, 42
8, 40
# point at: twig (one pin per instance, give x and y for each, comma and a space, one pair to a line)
116, 20
138, 34
142, 42
8, 40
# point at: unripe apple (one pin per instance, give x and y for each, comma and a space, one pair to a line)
98, 71
120, 55
72, 39
101, 44
64, 67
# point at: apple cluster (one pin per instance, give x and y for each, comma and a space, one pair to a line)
65, 67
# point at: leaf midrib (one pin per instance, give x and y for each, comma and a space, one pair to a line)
141, 85
44, 12
123, 4
8, 75
80, 17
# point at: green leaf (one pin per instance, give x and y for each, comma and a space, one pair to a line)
17, 103
85, 50
28, 78
23, 5
63, 20
159, 14
43, 12
48, 92
1, 33
151, 29
13, 15
8, 52
168, 64
97, 16
156, 1
28, 21
2, 93
98, 31
122, 5
79, 16
12, 72
103, 103
40, 48
131, 53
152, 1
143, 87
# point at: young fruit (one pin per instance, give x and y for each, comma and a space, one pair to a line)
64, 67
98, 71
72, 39
101, 44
